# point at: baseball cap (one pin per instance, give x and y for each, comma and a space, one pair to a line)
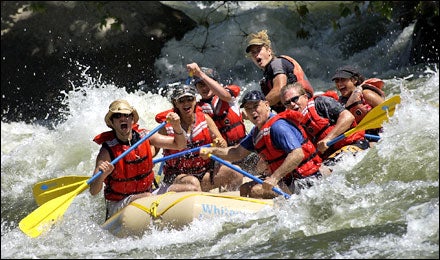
253, 95
345, 72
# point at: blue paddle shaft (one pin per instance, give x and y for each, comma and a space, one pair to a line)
218, 159
195, 149
152, 132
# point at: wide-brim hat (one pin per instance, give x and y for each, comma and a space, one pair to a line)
345, 72
120, 106
253, 95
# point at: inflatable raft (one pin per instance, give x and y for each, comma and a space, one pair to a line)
175, 210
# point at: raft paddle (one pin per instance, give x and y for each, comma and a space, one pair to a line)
47, 214
373, 119
220, 160
53, 188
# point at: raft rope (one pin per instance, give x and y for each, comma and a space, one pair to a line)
152, 211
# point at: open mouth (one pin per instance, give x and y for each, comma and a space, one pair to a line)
187, 109
124, 126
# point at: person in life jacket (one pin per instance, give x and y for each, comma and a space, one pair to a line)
190, 172
358, 95
323, 119
281, 142
278, 70
132, 176
219, 102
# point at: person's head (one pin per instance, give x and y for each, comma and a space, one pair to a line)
259, 49
346, 79
294, 96
183, 98
121, 116
201, 86
256, 106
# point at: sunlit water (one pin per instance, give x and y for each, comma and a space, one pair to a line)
382, 203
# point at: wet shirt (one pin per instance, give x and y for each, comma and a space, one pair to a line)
329, 108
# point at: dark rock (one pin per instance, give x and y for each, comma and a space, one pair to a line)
43, 43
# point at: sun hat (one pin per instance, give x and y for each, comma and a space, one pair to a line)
209, 72
183, 90
260, 38
120, 106
253, 95
345, 72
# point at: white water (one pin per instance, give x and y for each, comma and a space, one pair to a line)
382, 203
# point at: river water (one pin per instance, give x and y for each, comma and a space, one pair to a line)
382, 203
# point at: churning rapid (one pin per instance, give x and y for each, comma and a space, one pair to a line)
382, 203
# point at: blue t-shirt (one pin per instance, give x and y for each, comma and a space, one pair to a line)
284, 136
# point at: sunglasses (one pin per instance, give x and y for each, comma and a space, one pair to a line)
119, 115
185, 99
294, 100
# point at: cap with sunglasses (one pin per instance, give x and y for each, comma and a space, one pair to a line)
120, 106
253, 95
183, 90
345, 72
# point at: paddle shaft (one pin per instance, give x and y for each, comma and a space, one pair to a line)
117, 159
45, 215
220, 160
49, 189
171, 156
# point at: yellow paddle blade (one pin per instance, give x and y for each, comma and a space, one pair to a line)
376, 116
50, 189
47, 214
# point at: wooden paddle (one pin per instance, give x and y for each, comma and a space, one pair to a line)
53, 188
47, 214
220, 160
374, 118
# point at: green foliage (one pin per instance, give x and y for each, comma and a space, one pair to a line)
36, 8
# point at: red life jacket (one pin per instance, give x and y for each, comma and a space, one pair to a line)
359, 108
274, 157
134, 173
318, 127
300, 75
229, 121
191, 163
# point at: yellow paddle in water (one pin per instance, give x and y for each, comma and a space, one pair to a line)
47, 214
49, 189
374, 118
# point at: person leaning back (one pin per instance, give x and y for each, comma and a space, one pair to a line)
131, 177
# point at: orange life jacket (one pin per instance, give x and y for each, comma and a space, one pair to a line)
300, 75
229, 121
191, 163
267, 85
274, 157
133, 174
359, 107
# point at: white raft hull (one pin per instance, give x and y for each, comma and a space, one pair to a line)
175, 210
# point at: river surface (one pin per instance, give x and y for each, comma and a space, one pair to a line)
381, 203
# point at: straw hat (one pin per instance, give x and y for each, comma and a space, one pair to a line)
120, 106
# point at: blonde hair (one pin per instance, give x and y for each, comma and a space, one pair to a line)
260, 38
